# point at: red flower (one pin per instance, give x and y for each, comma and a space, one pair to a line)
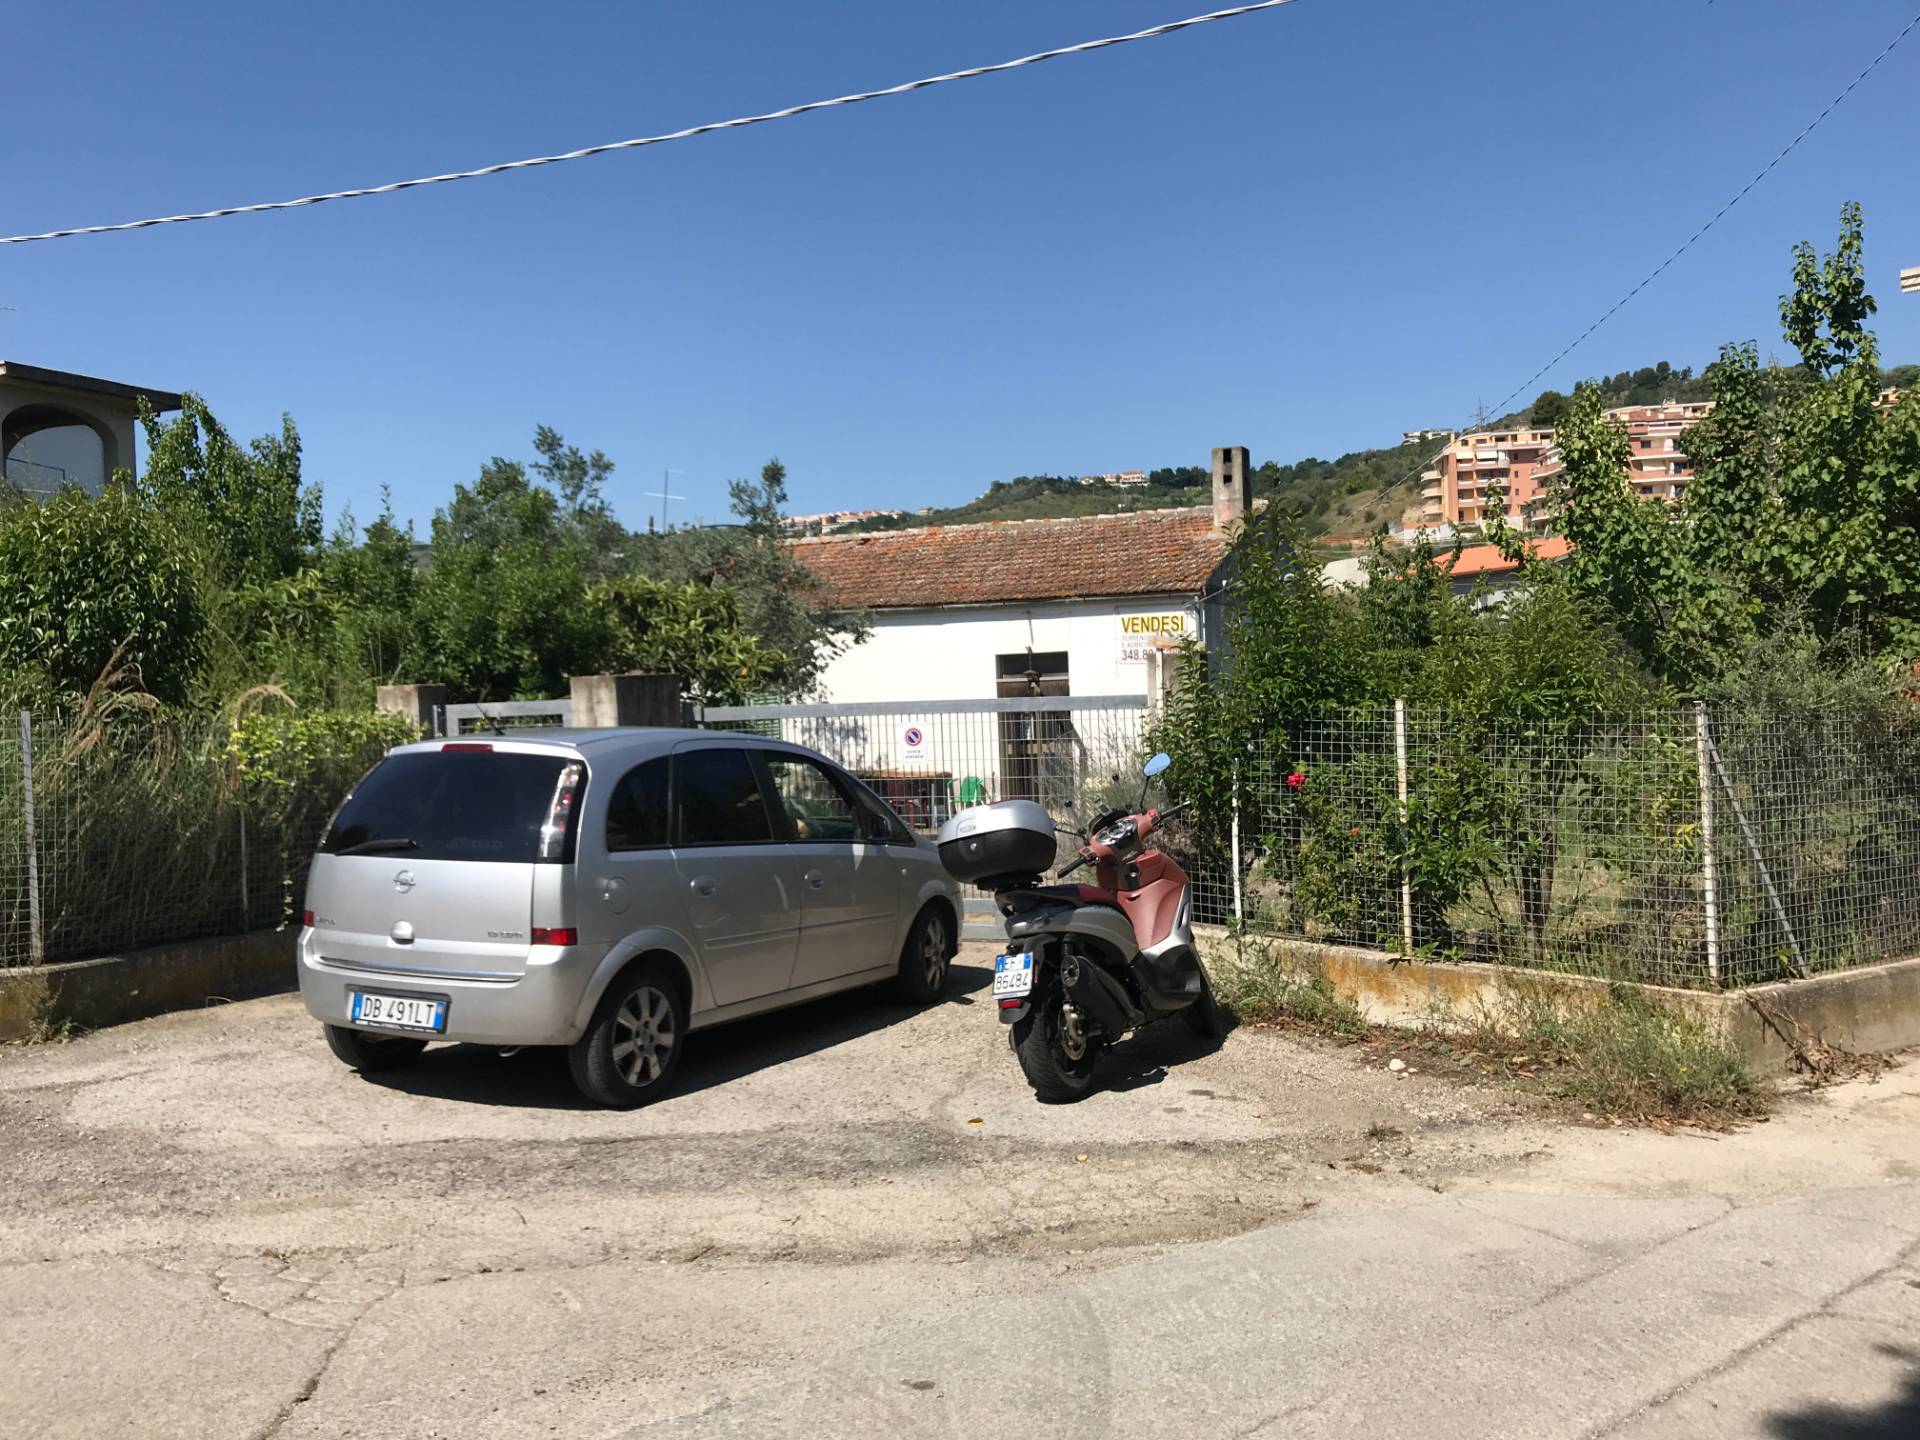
1296, 780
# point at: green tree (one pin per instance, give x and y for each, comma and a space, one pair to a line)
689, 630
1805, 497
1548, 408
782, 604
83, 579
579, 481
374, 578
502, 610
256, 518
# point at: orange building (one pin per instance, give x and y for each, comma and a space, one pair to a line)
1454, 491
1523, 463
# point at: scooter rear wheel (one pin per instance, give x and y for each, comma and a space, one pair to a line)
1203, 1015
1057, 1078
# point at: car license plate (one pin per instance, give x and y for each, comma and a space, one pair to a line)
398, 1012
1012, 976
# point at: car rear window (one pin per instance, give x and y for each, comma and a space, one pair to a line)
486, 805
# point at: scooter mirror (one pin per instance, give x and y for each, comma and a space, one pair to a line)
1154, 766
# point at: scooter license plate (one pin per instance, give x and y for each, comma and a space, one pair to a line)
1012, 976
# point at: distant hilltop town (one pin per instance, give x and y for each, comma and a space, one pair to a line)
828, 521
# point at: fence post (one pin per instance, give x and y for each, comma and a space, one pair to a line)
1400, 776
1239, 909
246, 908
36, 935
1702, 744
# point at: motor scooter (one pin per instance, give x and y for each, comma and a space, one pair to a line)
1084, 964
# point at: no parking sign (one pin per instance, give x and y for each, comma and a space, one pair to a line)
913, 743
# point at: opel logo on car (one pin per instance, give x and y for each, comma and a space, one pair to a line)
403, 882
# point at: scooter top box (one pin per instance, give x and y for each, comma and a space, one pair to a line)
1006, 838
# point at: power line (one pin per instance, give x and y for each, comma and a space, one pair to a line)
1153, 32
1740, 195
1685, 246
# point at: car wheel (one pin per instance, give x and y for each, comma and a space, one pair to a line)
370, 1053
925, 957
633, 1046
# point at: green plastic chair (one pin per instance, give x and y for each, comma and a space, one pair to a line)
972, 792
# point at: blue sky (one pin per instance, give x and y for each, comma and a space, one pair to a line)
1302, 231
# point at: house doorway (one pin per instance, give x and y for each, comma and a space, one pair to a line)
1036, 746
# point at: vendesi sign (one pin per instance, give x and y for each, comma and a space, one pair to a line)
1138, 632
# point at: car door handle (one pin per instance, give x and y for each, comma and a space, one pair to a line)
704, 886
816, 880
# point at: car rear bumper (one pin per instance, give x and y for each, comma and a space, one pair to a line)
539, 1006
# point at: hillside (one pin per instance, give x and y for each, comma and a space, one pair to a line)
1346, 496
1352, 496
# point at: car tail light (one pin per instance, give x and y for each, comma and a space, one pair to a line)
559, 823
465, 747
556, 935
306, 918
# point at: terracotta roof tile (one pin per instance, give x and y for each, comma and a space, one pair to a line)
1487, 559
1147, 552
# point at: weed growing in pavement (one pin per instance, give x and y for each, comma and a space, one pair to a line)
1615, 1051
46, 1025
1618, 1052
1266, 984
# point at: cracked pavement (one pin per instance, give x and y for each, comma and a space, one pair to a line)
852, 1219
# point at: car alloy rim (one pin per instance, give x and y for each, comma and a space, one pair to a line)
933, 950
643, 1036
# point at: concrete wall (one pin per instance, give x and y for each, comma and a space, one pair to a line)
1871, 1010
111, 991
949, 654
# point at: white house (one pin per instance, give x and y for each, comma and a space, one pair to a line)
1027, 607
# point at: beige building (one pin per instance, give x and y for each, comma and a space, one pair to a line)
58, 428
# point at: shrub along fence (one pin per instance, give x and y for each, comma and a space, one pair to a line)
1680, 847
142, 830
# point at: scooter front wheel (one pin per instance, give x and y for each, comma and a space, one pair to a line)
1056, 1074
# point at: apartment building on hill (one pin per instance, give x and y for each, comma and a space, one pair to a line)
1523, 464
1454, 490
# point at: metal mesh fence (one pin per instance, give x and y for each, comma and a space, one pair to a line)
1816, 843
130, 843
1670, 846
1581, 846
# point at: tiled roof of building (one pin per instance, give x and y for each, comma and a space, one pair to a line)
1147, 552
1487, 559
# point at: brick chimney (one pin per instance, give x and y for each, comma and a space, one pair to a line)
1231, 476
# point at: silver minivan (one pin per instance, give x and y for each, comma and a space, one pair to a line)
609, 891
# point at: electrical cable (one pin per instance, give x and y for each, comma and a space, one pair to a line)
1685, 246
1152, 32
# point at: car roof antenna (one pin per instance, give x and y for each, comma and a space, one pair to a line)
492, 724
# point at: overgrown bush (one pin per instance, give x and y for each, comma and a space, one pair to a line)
85, 578
154, 826
1622, 1054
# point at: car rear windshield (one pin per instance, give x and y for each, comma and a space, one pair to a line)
455, 805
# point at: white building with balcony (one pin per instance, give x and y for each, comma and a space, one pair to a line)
59, 429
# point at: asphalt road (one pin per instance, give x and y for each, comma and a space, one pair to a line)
853, 1220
